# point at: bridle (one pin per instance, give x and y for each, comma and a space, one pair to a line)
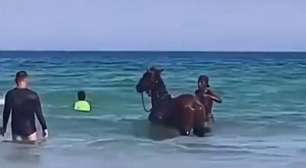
143, 104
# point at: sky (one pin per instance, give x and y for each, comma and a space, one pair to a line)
189, 25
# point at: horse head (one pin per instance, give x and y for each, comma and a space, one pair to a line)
149, 80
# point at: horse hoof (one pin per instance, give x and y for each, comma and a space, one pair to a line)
185, 133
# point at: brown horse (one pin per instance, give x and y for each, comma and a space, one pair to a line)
184, 112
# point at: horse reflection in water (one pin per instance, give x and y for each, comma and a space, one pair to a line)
184, 112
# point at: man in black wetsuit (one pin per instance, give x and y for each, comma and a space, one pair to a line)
24, 104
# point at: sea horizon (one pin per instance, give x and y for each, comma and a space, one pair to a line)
174, 51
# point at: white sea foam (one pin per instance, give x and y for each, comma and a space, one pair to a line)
1, 101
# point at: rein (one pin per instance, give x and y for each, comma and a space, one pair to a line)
143, 104
142, 97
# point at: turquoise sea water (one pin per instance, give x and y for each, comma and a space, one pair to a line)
261, 123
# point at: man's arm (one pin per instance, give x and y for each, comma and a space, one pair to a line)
213, 96
41, 118
6, 113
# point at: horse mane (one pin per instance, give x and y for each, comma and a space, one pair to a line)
161, 89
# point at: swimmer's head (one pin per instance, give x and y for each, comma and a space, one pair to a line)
21, 79
203, 82
81, 95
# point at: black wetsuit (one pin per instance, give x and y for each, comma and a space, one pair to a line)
23, 103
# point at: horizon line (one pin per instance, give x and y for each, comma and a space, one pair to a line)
198, 51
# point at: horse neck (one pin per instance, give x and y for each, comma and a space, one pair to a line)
159, 93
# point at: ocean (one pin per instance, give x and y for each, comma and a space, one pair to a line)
261, 122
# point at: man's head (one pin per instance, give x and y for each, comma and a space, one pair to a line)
81, 95
21, 79
203, 82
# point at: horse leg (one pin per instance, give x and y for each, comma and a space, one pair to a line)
209, 120
199, 120
186, 123
185, 131
202, 122
200, 130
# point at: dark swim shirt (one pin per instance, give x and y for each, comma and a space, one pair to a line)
23, 104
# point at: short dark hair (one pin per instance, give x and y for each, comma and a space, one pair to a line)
81, 95
21, 75
205, 79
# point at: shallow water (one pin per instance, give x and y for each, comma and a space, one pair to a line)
261, 123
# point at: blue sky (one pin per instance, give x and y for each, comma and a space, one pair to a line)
231, 25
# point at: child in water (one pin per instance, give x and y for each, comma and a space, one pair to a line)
206, 96
82, 105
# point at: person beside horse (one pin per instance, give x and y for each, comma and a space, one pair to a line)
206, 96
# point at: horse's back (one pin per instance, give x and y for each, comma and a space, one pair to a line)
186, 101
185, 98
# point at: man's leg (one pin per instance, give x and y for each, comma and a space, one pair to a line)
17, 138
30, 138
